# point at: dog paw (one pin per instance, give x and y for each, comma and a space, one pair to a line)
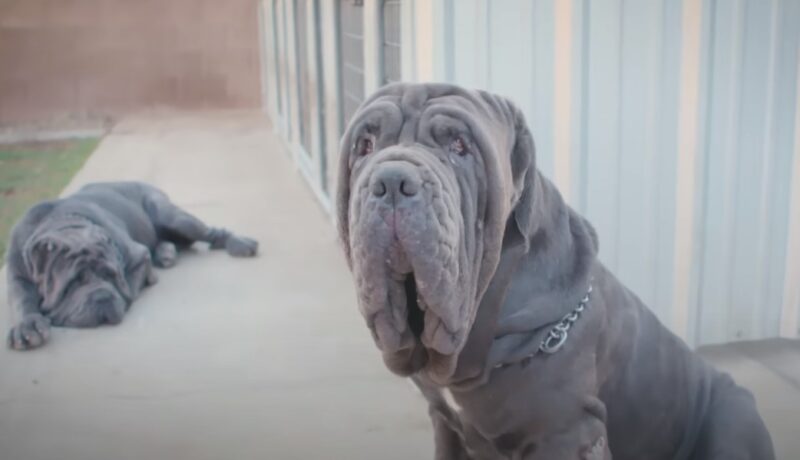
239, 246
32, 332
165, 255
152, 278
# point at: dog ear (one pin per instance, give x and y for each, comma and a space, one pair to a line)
342, 205
523, 172
37, 255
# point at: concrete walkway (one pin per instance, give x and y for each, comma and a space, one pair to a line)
771, 370
224, 358
250, 359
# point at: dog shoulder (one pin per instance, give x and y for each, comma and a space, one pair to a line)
32, 218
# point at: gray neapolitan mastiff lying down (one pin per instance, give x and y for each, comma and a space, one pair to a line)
479, 282
80, 261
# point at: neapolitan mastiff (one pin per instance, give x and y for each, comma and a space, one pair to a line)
480, 283
80, 261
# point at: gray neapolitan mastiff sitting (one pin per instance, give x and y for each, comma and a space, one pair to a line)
483, 286
80, 261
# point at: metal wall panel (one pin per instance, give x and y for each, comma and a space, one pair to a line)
750, 86
269, 65
391, 70
626, 101
619, 127
351, 49
318, 104
625, 95
303, 78
284, 66
330, 94
275, 16
506, 46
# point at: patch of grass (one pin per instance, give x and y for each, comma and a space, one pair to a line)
33, 172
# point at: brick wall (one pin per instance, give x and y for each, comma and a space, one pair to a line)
89, 58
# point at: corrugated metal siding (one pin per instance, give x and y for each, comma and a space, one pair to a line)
295, 98
623, 121
272, 44
351, 43
625, 90
628, 131
303, 82
390, 41
749, 83
283, 66
672, 125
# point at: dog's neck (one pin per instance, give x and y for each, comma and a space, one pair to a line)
540, 278
561, 250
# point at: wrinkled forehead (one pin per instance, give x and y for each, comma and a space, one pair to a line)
74, 236
405, 113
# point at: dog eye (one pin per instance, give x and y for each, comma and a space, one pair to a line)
458, 146
364, 146
105, 272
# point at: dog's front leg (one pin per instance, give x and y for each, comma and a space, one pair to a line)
33, 329
447, 443
733, 429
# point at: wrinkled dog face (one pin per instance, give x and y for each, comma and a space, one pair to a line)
422, 207
79, 274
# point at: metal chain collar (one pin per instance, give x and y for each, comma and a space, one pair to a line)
559, 333
557, 337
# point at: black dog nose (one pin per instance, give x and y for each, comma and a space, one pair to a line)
396, 180
107, 311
